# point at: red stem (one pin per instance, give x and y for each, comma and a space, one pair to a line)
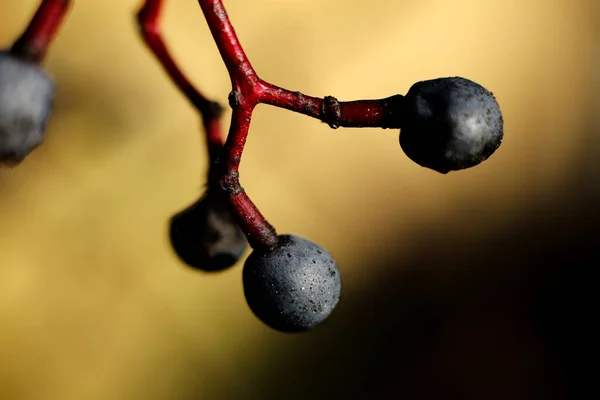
240, 70
242, 100
33, 44
258, 231
380, 113
248, 90
148, 22
254, 225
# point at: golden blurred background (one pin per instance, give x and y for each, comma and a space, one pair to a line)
454, 285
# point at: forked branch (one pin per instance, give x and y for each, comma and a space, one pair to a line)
248, 90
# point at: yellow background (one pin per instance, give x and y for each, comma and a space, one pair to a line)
94, 305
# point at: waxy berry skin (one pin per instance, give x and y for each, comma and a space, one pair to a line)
292, 286
206, 236
26, 94
450, 124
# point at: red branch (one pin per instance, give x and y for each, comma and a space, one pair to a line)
254, 225
248, 90
237, 63
242, 100
381, 113
33, 44
252, 222
148, 22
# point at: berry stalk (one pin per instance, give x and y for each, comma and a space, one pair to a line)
257, 229
238, 65
249, 87
35, 41
380, 113
248, 90
242, 99
223, 158
210, 111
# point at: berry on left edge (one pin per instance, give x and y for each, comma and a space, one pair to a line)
26, 93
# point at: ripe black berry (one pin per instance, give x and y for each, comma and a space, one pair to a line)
206, 236
292, 286
450, 124
25, 100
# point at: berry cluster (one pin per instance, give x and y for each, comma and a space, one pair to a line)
290, 283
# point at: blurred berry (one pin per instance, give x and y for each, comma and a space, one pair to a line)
292, 286
26, 94
206, 236
450, 124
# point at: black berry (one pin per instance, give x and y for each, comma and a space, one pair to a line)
25, 100
206, 236
450, 124
292, 286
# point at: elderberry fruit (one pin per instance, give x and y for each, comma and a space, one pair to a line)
206, 236
450, 124
26, 94
292, 286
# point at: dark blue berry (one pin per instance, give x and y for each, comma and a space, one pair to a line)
26, 94
206, 236
292, 286
450, 124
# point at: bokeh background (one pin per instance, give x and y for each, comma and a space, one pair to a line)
472, 285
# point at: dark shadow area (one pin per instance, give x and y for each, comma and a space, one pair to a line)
505, 316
